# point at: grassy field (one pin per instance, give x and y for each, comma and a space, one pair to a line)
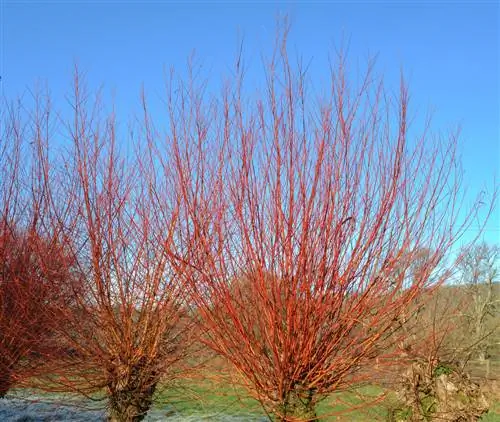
220, 400
212, 397
204, 401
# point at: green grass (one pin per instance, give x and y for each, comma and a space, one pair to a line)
205, 397
202, 396
494, 413
215, 395
363, 404
198, 397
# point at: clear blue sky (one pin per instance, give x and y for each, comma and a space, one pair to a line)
449, 52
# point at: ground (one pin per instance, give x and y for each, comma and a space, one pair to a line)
197, 402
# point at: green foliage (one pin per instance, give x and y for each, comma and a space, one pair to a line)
428, 407
442, 369
400, 414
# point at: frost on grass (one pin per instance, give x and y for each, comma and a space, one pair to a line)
14, 409
19, 410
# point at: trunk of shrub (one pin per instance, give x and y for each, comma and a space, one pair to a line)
299, 407
130, 393
130, 404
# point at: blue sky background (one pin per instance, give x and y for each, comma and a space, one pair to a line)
448, 51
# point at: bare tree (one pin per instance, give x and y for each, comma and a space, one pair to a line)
127, 330
479, 276
301, 224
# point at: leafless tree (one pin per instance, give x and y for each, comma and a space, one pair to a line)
127, 328
479, 276
301, 224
